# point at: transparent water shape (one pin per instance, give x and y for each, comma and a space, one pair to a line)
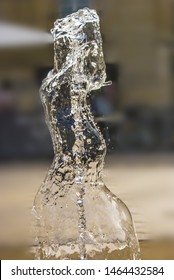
77, 216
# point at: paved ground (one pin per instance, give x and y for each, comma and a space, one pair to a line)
145, 183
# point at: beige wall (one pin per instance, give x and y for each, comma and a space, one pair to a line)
136, 36
37, 13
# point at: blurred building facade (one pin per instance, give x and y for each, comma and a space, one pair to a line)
138, 42
137, 35
36, 13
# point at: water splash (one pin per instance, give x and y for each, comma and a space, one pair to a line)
77, 216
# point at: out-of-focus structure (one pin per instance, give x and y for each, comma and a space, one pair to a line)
138, 36
137, 111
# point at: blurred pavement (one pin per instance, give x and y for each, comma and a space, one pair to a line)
144, 182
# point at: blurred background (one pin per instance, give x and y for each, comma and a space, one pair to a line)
135, 113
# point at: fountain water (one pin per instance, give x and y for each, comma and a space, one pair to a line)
77, 216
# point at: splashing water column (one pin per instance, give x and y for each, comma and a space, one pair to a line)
77, 216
